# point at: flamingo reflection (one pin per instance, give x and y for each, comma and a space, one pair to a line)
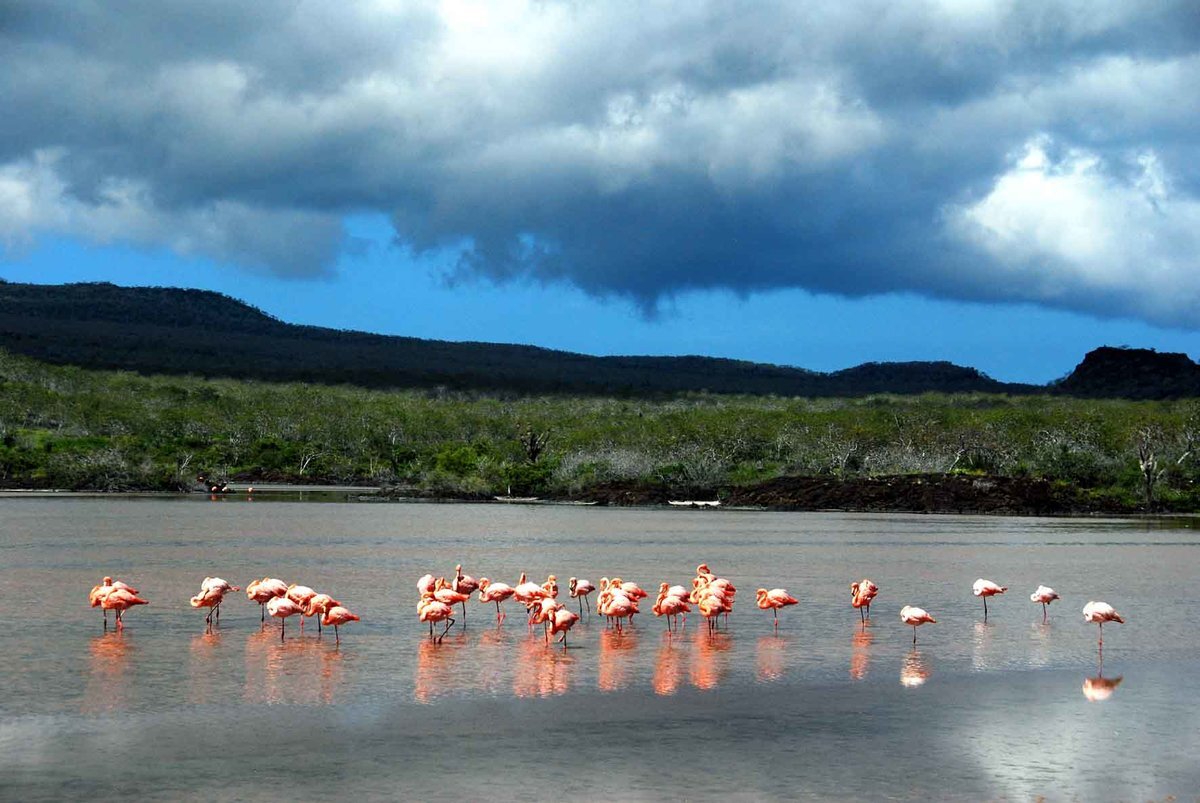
771, 657
667, 670
1100, 688
108, 685
860, 653
616, 647
709, 659
915, 669
204, 667
541, 670
434, 676
296, 671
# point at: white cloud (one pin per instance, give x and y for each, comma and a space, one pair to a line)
1077, 225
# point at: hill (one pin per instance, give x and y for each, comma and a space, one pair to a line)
1109, 372
159, 330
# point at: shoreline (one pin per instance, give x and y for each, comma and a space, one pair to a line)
957, 494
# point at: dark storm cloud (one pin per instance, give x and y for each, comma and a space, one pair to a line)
1040, 151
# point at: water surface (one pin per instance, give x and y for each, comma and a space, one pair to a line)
821, 707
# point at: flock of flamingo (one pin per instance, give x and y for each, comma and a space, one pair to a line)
617, 601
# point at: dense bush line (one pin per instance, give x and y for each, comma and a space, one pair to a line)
71, 428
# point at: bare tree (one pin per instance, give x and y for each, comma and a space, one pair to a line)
1146, 440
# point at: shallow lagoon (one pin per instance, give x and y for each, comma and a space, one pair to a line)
822, 707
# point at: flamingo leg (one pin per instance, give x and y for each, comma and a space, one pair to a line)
862, 617
868, 606
336, 638
1043, 613
262, 612
985, 609
464, 607
914, 634
282, 628
449, 624
589, 603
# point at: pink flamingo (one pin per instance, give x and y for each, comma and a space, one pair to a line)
912, 615
281, 608
986, 588
430, 610
861, 594
580, 589
464, 584
773, 600
562, 621
337, 615
426, 583
121, 600
319, 605
263, 591
1100, 612
300, 595
1044, 595
98, 593
494, 592
669, 605
208, 598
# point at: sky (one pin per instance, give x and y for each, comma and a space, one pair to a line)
1005, 185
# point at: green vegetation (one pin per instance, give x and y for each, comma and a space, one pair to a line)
67, 427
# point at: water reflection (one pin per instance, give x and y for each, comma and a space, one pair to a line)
710, 658
860, 652
108, 685
297, 671
771, 657
1099, 688
1040, 639
616, 655
205, 665
668, 667
981, 644
915, 669
541, 670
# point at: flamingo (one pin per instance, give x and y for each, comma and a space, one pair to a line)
986, 588
318, 605
912, 615
580, 589
120, 600
300, 595
464, 584
281, 608
669, 605
494, 592
527, 593
98, 593
425, 583
337, 615
861, 594
444, 593
263, 591
562, 621
620, 607
1099, 613
773, 600
1044, 595
216, 584
710, 608
430, 610
551, 587
208, 598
